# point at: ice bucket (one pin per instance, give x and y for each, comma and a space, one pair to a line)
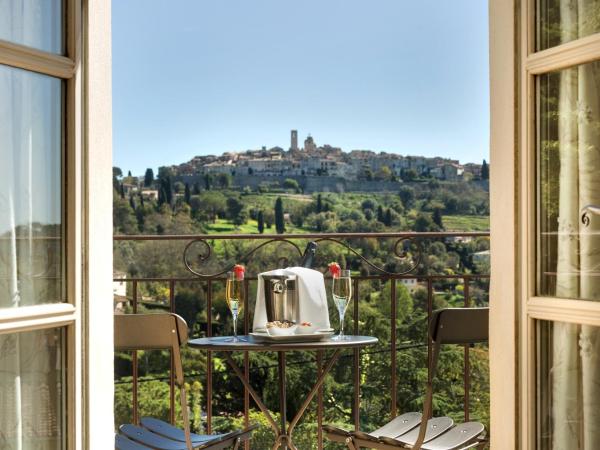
281, 298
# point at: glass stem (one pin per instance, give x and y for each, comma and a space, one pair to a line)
342, 314
235, 316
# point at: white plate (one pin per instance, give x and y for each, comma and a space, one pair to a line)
264, 337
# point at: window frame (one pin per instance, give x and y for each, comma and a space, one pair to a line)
85, 70
534, 307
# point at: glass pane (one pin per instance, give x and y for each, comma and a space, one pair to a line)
568, 136
32, 393
31, 251
35, 23
568, 386
562, 21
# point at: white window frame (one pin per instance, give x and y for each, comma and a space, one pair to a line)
87, 316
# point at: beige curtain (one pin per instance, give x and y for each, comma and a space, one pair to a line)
575, 376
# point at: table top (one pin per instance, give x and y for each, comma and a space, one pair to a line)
247, 343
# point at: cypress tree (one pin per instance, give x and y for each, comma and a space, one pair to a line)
380, 217
387, 220
279, 220
437, 217
132, 202
261, 222
485, 171
319, 203
188, 194
122, 191
149, 177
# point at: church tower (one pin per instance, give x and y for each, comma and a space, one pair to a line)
294, 143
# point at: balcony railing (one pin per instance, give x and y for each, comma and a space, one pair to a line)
413, 260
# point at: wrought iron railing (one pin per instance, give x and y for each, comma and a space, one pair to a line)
408, 255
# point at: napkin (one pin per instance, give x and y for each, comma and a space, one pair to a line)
312, 299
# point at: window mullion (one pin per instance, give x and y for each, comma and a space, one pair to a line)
28, 58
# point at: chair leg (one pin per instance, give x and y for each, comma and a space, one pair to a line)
238, 441
350, 444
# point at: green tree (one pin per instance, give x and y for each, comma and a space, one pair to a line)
279, 218
380, 217
208, 181
387, 220
188, 193
149, 177
260, 222
407, 195
224, 180
196, 190
437, 217
409, 175
485, 171
178, 186
235, 211
319, 207
290, 183
384, 173
116, 174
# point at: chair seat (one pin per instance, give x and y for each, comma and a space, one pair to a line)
435, 427
122, 443
167, 430
456, 437
399, 425
150, 439
440, 434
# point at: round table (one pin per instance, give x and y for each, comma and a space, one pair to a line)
283, 433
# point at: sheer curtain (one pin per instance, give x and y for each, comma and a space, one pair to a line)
31, 366
575, 376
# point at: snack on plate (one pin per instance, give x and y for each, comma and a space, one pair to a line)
278, 328
278, 324
306, 328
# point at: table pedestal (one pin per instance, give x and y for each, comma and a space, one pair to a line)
283, 433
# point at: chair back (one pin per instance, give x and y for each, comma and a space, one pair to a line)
459, 326
149, 331
155, 332
450, 326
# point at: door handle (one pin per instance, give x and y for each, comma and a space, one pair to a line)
588, 210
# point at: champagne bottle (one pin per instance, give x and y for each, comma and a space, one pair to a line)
309, 255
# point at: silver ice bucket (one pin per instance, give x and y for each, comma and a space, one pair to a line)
281, 298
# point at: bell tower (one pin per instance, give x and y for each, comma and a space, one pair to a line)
294, 140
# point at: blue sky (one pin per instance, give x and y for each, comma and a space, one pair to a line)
193, 77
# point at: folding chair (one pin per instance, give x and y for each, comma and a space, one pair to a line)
409, 430
164, 331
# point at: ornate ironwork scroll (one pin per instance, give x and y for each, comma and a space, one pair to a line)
198, 252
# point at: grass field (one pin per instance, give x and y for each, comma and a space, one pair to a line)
466, 223
222, 226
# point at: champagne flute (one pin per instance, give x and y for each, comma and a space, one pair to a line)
341, 290
234, 297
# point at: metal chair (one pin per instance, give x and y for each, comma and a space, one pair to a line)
164, 331
447, 326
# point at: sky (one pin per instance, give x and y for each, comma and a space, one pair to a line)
197, 77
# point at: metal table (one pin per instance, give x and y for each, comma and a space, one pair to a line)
283, 433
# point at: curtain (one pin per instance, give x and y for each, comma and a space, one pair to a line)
31, 364
575, 375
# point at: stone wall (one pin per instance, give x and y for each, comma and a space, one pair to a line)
309, 184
